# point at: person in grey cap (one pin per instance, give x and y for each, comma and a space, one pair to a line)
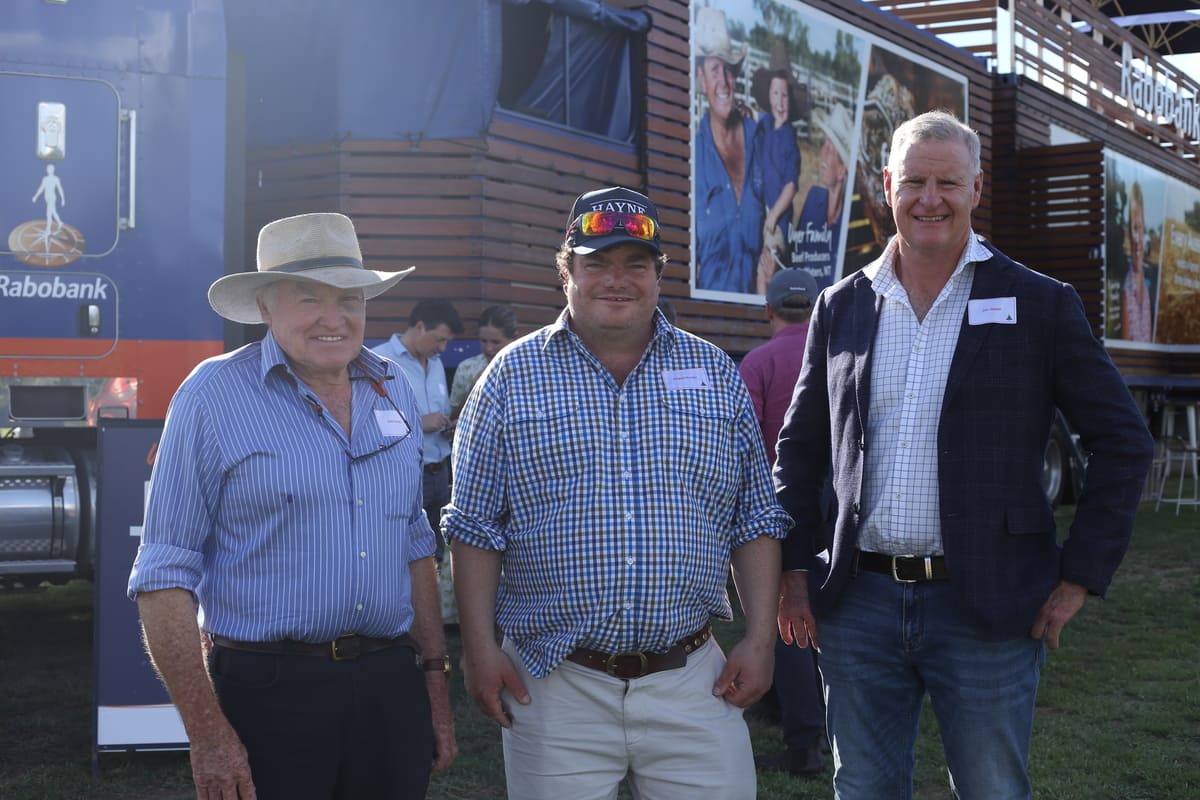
608, 471
770, 371
286, 502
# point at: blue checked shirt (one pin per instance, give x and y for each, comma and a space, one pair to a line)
282, 526
616, 506
910, 363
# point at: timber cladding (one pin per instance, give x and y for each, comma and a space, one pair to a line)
481, 218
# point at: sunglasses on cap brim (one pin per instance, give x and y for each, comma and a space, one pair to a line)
602, 223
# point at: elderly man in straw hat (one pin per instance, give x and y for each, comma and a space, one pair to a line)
819, 229
729, 192
286, 502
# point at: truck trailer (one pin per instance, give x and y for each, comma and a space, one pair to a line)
144, 142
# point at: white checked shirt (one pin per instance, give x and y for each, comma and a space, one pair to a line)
909, 367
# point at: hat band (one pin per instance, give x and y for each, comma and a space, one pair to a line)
314, 263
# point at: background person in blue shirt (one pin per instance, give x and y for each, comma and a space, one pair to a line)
418, 352
608, 471
285, 500
729, 183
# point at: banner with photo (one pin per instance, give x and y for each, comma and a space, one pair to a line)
792, 113
1151, 255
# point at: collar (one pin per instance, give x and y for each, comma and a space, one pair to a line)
882, 271
664, 331
795, 329
368, 365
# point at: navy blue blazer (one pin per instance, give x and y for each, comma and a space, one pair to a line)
998, 529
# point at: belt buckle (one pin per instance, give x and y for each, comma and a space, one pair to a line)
338, 655
610, 664
896, 575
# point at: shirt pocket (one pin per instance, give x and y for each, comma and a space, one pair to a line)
547, 446
698, 442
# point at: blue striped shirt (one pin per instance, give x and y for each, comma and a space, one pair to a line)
429, 389
282, 526
616, 507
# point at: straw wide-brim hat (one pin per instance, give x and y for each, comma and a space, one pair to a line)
712, 38
779, 67
320, 248
837, 127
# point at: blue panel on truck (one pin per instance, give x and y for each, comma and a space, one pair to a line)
163, 169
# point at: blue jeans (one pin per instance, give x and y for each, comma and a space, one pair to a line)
882, 648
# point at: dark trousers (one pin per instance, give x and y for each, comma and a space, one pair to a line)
318, 729
436, 495
801, 701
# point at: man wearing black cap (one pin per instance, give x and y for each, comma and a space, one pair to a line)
770, 372
608, 471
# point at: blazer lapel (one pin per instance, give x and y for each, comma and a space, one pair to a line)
865, 314
993, 278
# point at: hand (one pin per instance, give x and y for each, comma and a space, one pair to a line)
766, 268
797, 625
1062, 604
488, 671
434, 421
445, 745
220, 767
748, 672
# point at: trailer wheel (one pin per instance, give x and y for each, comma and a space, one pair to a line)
1055, 468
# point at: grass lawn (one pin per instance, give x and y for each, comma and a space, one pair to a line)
1118, 712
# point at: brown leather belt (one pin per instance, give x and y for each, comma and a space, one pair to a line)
902, 569
437, 466
637, 664
351, 645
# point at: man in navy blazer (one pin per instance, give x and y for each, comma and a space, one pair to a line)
929, 384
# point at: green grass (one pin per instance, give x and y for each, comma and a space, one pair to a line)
1118, 711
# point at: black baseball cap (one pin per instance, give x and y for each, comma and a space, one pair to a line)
791, 287
618, 229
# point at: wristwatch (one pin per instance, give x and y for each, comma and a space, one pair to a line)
440, 664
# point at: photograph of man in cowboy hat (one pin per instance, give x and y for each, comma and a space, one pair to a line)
814, 244
728, 180
285, 503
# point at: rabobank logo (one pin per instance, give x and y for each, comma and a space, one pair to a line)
54, 287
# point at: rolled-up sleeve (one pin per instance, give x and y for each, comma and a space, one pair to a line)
759, 513
478, 506
181, 503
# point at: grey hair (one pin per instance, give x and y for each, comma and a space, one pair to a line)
266, 294
939, 126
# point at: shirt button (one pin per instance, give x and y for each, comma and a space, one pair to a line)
898, 495
360, 502
629, 516
626, 474
628, 606
904, 444
629, 560
358, 607
363, 554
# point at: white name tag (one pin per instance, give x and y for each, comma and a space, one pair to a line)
694, 378
992, 311
391, 422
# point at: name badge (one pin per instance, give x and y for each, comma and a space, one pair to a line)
694, 378
992, 311
391, 422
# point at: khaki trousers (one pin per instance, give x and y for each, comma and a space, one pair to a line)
585, 731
